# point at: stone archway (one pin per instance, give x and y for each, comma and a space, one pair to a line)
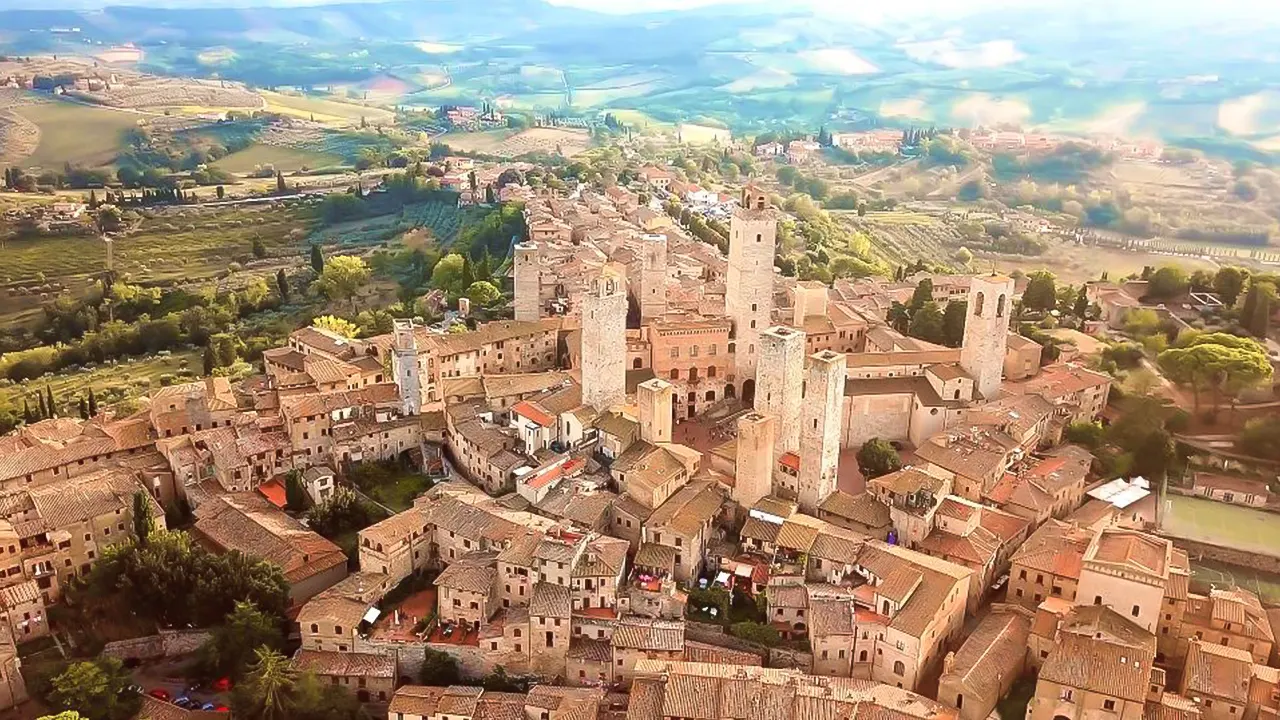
748, 391
730, 391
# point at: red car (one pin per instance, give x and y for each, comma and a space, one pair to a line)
160, 694
222, 684
222, 708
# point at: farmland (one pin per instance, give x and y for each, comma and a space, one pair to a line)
444, 222
127, 379
325, 110
284, 159
76, 134
505, 143
904, 237
150, 93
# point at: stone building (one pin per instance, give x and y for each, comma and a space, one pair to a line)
822, 410
753, 470
604, 341
986, 666
986, 332
528, 282
655, 401
404, 365
652, 288
780, 382
694, 353
753, 234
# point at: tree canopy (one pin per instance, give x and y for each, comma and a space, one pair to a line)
1041, 293
1222, 363
342, 278
96, 689
338, 325
877, 457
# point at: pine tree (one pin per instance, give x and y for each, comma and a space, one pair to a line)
282, 282
317, 259
53, 407
93, 404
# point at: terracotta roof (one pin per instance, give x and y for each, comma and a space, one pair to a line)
248, 523
419, 700
639, 633
472, 573
1134, 550
1171, 707
345, 664
993, 652
1095, 665
550, 600
1218, 671
1055, 547
862, 508
689, 510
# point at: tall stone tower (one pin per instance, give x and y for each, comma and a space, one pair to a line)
822, 411
986, 332
753, 234
753, 478
655, 399
527, 282
404, 366
779, 379
604, 340
653, 277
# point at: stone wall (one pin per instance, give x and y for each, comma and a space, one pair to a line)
1202, 550
168, 643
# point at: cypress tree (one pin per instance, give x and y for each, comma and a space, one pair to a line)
208, 360
93, 404
282, 282
53, 407
317, 260
84, 409
44, 409
26, 406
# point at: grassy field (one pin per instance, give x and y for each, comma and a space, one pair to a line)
324, 110
77, 134
129, 378
1210, 521
283, 158
399, 491
185, 244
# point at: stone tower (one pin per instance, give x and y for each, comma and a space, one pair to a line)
822, 411
753, 478
528, 282
655, 399
779, 378
653, 277
986, 332
753, 234
810, 301
604, 340
404, 366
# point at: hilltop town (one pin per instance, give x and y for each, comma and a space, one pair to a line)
665, 481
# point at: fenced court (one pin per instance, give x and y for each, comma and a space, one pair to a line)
1218, 523
1208, 574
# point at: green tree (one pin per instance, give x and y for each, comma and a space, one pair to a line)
1255, 314
439, 668
209, 361
1229, 282
294, 492
877, 457
953, 321
234, 644
483, 293
756, 632
1223, 363
259, 250
1041, 293
97, 689
282, 285
143, 522
926, 324
338, 325
84, 409
317, 259
1088, 434
922, 294
267, 691
221, 191
899, 317
280, 186
1154, 456
1168, 282
343, 277
1081, 307
93, 404
50, 403
1261, 438
447, 274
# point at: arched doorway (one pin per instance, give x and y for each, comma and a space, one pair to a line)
748, 391
730, 391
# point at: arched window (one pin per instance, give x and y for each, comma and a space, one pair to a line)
636, 364
675, 374
693, 374
1000, 307
959, 701
862, 656
899, 667
711, 371
978, 303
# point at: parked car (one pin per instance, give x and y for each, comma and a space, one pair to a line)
184, 702
160, 694
208, 707
222, 709
222, 684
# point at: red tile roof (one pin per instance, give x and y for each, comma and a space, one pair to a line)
273, 491
532, 412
